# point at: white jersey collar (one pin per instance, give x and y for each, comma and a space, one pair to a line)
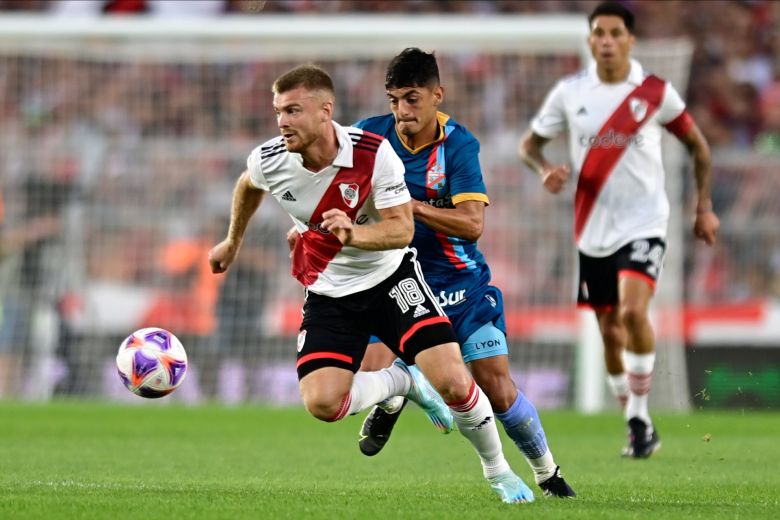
636, 74
344, 156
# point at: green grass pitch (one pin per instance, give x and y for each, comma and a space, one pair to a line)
94, 460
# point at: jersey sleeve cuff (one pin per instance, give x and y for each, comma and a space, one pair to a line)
463, 197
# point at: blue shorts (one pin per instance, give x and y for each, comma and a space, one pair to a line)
478, 320
488, 341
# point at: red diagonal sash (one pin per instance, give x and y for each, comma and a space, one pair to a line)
314, 249
602, 157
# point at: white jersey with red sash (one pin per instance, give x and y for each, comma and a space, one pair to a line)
365, 176
615, 132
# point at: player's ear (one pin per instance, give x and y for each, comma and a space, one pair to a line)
438, 95
327, 110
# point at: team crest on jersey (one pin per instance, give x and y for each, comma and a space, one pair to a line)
638, 108
349, 193
434, 178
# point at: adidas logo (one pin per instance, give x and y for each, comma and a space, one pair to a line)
419, 311
582, 112
288, 196
484, 423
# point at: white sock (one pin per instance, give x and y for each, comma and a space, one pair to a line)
640, 374
544, 467
476, 422
369, 388
618, 384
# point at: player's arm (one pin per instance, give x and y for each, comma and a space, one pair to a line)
246, 200
392, 200
394, 231
465, 220
553, 177
707, 223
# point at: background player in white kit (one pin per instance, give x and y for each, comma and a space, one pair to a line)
615, 113
344, 189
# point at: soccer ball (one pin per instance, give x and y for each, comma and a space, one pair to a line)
151, 362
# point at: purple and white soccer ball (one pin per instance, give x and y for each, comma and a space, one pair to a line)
151, 362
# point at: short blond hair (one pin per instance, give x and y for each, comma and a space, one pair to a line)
308, 76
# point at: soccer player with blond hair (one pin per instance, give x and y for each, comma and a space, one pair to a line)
344, 189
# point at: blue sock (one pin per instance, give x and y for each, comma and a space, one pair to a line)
522, 424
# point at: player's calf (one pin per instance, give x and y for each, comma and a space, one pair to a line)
330, 394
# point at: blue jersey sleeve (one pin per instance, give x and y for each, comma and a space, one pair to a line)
465, 174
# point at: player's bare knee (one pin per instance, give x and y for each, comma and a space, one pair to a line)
324, 409
455, 388
633, 317
322, 403
500, 391
452, 381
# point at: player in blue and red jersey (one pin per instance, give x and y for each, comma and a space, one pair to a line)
444, 178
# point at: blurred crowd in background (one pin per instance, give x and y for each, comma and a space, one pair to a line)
116, 175
735, 88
